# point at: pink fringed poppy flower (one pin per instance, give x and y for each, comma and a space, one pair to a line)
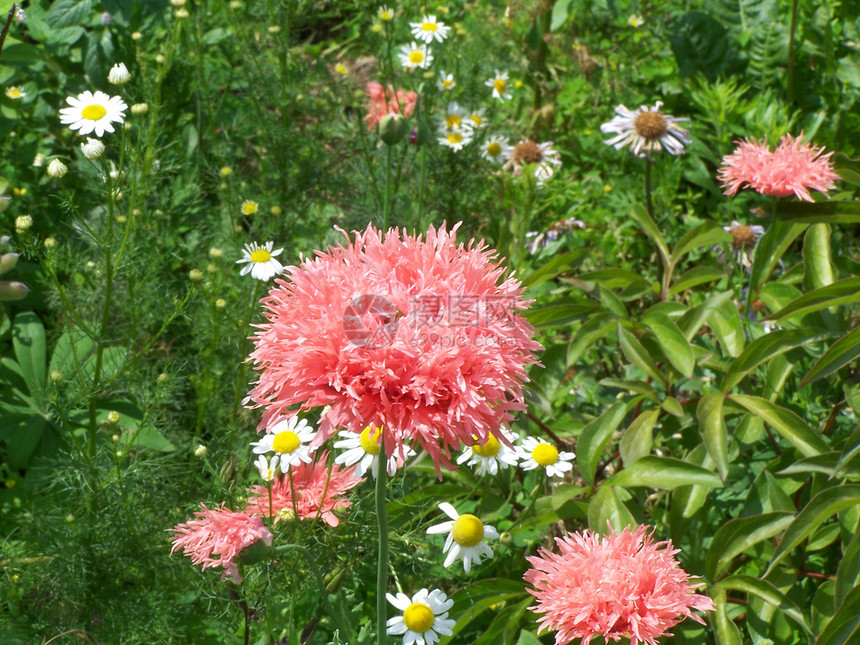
419, 336
218, 537
792, 168
319, 492
619, 585
382, 101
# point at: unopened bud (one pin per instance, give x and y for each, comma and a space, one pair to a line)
392, 128
200, 451
8, 261
23, 223
13, 290
195, 275
57, 169
113, 417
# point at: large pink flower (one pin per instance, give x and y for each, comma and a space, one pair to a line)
218, 537
620, 585
319, 492
387, 100
792, 168
419, 336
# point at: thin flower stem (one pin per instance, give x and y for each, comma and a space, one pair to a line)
382, 557
789, 90
648, 205
386, 206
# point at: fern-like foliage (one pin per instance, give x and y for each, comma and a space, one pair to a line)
768, 54
744, 15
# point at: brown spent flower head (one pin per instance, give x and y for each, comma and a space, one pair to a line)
650, 125
743, 237
527, 152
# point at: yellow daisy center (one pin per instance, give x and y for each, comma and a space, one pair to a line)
429, 26
416, 57
468, 530
650, 125
500, 85
453, 121
286, 442
494, 149
386, 15
418, 617
477, 120
545, 454
370, 442
447, 83
261, 255
491, 447
455, 137
93, 112
14, 93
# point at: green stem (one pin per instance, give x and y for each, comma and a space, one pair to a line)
789, 90
382, 557
648, 205
386, 205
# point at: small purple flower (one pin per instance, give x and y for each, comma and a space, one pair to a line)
106, 18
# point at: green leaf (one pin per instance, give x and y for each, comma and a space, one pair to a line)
821, 507
832, 212
767, 592
769, 251
792, 428
611, 278
727, 327
837, 356
664, 472
609, 504
827, 463
637, 439
67, 13
22, 434
712, 427
705, 234
595, 329
559, 264
766, 347
113, 360
672, 342
559, 314
71, 350
844, 627
560, 12
727, 631
737, 535
694, 277
850, 451
817, 268
641, 217
637, 354
594, 438
527, 638
612, 303
472, 600
848, 574
28, 339
691, 322
671, 405
839, 293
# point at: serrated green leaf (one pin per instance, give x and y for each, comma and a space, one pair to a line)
766, 347
672, 342
820, 508
792, 428
841, 353
705, 234
712, 428
664, 472
767, 592
770, 249
594, 438
737, 535
637, 439
839, 293
636, 353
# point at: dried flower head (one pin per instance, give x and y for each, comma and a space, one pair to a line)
646, 130
418, 335
318, 493
792, 168
621, 585
218, 537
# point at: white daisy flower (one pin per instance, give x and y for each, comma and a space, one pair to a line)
363, 449
455, 139
15, 93
499, 83
454, 119
424, 619
466, 535
646, 130
287, 439
261, 262
635, 21
415, 56
536, 452
491, 455
429, 30
446, 82
93, 112
476, 117
267, 468
385, 14
496, 149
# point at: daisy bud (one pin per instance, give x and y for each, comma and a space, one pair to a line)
177, 3
259, 551
92, 148
8, 261
118, 74
136, 35
57, 169
23, 223
140, 108
226, 171
200, 451
392, 128
4, 202
56, 376
215, 253
181, 14
38, 160
221, 303
195, 275
163, 378
113, 417
13, 290
50, 243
